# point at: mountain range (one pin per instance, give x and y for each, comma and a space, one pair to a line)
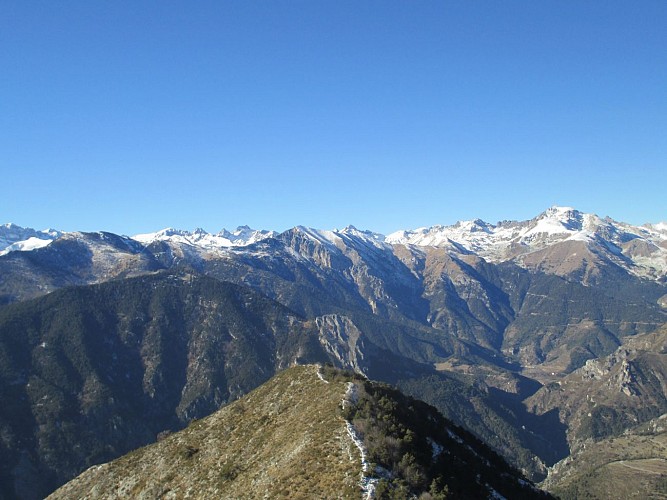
502, 327
641, 250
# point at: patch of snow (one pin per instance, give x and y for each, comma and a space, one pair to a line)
436, 448
454, 436
527, 484
375, 239
319, 375
320, 236
367, 483
585, 236
351, 395
494, 494
31, 243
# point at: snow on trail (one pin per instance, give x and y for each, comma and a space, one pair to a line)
367, 484
319, 375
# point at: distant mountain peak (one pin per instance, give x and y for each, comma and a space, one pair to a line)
242, 236
370, 236
474, 225
569, 218
16, 238
561, 209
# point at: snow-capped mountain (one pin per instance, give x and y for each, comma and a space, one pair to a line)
242, 236
339, 238
641, 250
17, 238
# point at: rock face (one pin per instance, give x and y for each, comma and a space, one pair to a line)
290, 439
608, 397
632, 465
339, 336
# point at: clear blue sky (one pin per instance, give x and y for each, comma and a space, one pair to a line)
130, 116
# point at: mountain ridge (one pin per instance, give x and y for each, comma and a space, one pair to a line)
641, 250
311, 432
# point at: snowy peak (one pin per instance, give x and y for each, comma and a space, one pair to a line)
559, 219
242, 236
16, 238
167, 234
336, 236
368, 237
641, 250
474, 226
339, 239
161, 235
245, 235
319, 236
558, 224
424, 236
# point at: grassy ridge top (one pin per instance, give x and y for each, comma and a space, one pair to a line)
285, 439
290, 438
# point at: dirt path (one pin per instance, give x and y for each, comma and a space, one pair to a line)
650, 465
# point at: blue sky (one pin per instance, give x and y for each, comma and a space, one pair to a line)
131, 116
